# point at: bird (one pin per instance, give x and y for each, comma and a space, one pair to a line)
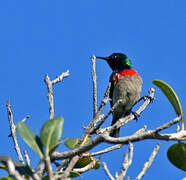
126, 85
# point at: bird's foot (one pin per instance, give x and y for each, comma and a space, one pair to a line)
145, 98
148, 97
136, 115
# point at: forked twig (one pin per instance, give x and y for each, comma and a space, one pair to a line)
50, 95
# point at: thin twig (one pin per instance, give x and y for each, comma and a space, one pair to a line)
40, 168
24, 119
50, 96
141, 130
61, 77
70, 167
13, 132
94, 78
126, 162
112, 148
108, 114
34, 176
107, 171
62, 164
149, 162
105, 99
27, 157
90, 129
12, 171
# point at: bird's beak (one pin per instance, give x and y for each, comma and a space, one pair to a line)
105, 58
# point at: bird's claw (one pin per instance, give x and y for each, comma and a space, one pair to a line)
148, 97
136, 115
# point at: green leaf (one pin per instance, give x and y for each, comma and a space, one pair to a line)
4, 167
177, 155
71, 143
74, 174
30, 138
7, 178
172, 97
84, 161
23, 169
97, 165
51, 133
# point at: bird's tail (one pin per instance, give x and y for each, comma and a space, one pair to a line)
115, 133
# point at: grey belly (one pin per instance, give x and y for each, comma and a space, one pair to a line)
128, 89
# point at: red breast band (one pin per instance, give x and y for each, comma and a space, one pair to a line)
126, 72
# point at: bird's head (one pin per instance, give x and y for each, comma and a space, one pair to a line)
118, 61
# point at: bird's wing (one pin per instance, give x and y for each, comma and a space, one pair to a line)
111, 88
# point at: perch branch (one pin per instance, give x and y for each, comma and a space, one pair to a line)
150, 134
127, 119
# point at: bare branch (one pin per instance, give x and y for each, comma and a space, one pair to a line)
108, 114
49, 167
112, 148
70, 167
92, 126
34, 175
10, 164
149, 162
126, 162
40, 168
13, 132
61, 77
105, 99
94, 78
50, 95
150, 134
141, 130
62, 164
127, 119
12, 171
24, 119
27, 157
107, 171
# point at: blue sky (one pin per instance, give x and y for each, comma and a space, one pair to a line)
39, 37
